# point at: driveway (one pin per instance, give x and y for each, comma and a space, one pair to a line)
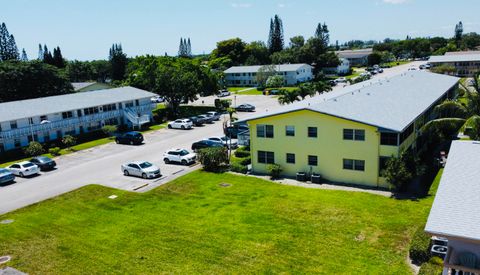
101, 165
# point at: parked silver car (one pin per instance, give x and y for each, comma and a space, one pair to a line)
6, 176
142, 169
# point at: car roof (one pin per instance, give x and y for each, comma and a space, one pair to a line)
23, 162
176, 149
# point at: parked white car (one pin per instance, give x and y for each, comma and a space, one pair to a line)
223, 93
180, 124
142, 169
340, 80
157, 99
182, 156
214, 115
23, 169
232, 144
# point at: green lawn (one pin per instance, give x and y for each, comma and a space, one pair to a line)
396, 63
193, 225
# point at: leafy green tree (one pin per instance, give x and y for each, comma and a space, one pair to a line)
455, 116
275, 37
287, 96
118, 61
69, 141
213, 159
396, 172
264, 73
306, 89
257, 53
275, 81
374, 58
444, 69
25, 80
234, 49
34, 149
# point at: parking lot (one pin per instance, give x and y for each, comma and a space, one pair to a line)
101, 165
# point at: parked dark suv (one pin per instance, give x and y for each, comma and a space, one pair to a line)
197, 121
129, 138
233, 131
205, 144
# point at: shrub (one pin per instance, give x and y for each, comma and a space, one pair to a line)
108, 130
396, 172
432, 267
245, 161
242, 152
420, 246
238, 167
274, 170
213, 159
69, 141
33, 149
55, 151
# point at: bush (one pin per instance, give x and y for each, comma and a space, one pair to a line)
274, 170
33, 149
238, 167
245, 161
432, 267
242, 152
213, 159
69, 141
108, 130
55, 151
420, 246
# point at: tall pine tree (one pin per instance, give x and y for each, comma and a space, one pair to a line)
58, 58
189, 48
118, 61
47, 55
8, 47
322, 33
275, 38
40, 52
181, 48
24, 56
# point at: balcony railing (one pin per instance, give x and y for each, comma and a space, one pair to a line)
454, 268
78, 121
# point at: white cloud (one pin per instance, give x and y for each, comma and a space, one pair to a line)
241, 5
395, 1
282, 5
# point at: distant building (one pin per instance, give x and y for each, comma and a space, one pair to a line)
349, 136
462, 52
466, 65
49, 118
247, 75
342, 69
356, 57
455, 213
89, 86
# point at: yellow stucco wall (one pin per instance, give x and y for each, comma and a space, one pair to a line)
329, 146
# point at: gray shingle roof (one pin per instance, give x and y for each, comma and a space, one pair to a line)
56, 104
254, 69
454, 58
456, 209
391, 103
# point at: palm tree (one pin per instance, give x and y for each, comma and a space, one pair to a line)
457, 116
287, 97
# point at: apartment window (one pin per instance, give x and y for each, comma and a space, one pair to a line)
290, 131
42, 118
264, 131
90, 111
109, 107
137, 102
266, 157
290, 158
312, 132
312, 160
30, 120
13, 125
67, 115
353, 134
79, 113
389, 139
354, 164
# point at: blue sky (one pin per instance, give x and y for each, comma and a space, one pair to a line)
86, 29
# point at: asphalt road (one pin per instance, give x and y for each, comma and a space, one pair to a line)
101, 165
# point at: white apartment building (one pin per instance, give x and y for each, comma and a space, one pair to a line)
49, 118
247, 75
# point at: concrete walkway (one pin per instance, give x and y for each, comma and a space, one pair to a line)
325, 186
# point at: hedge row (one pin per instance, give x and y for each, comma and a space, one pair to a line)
420, 246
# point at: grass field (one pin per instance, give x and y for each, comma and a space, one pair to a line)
193, 225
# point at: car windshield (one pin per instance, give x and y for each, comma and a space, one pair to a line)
145, 165
184, 153
26, 165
